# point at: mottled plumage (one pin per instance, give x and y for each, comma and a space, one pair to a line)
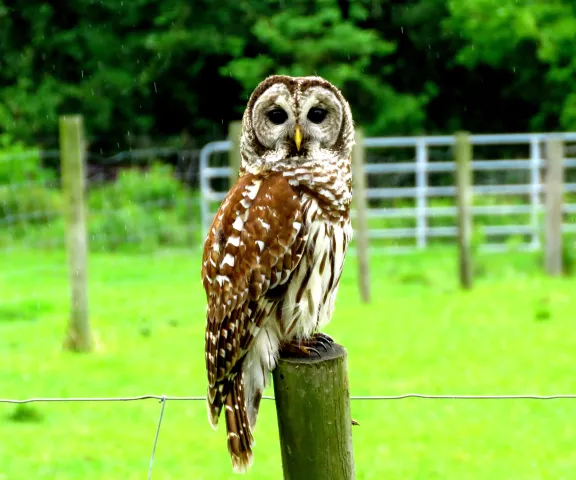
275, 250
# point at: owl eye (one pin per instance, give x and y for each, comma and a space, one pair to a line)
317, 114
277, 116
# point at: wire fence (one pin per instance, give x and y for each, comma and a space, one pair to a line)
133, 203
425, 396
164, 399
144, 199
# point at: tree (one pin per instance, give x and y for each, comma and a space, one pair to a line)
329, 39
178, 72
533, 40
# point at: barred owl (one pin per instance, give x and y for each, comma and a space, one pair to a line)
274, 253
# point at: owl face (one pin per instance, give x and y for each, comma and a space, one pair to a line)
295, 117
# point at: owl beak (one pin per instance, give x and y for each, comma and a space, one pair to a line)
298, 137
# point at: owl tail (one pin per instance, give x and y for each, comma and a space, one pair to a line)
215, 401
240, 438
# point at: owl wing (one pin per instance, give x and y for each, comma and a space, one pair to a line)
255, 242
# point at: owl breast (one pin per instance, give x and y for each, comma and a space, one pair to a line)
309, 300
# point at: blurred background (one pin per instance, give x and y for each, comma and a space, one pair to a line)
159, 82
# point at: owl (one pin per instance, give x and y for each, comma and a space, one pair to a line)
274, 254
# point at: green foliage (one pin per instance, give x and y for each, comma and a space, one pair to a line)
142, 68
143, 209
29, 204
154, 187
27, 196
112, 229
297, 41
135, 227
19, 164
533, 40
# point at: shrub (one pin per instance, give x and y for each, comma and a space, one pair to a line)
112, 229
142, 210
26, 198
156, 188
133, 227
19, 164
30, 205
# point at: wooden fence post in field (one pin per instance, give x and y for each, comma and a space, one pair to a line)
554, 190
234, 157
72, 159
361, 207
313, 409
463, 159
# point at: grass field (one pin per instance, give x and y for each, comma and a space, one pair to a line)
514, 333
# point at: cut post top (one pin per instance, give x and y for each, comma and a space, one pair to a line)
334, 351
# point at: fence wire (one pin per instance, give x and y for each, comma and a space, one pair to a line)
426, 396
165, 398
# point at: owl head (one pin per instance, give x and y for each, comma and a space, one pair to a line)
295, 120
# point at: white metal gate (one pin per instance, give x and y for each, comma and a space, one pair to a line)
421, 166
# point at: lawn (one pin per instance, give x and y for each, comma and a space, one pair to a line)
514, 333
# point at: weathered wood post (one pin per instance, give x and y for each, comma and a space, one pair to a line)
361, 206
234, 157
313, 409
72, 158
554, 191
463, 159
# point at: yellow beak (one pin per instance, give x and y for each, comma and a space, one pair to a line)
298, 137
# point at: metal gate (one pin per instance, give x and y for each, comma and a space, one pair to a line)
422, 191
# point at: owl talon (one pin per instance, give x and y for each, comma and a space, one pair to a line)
312, 349
325, 337
296, 349
323, 341
320, 340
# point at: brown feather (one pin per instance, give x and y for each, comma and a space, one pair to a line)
251, 243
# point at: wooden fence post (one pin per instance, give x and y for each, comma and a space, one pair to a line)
313, 409
72, 159
360, 201
463, 159
234, 157
554, 191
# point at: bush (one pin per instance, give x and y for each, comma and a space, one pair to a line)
29, 205
112, 229
155, 188
142, 210
133, 227
19, 164
26, 198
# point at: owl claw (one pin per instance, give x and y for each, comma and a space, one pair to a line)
296, 349
312, 349
325, 336
322, 340
319, 339
307, 347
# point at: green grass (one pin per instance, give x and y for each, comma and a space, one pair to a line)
514, 333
